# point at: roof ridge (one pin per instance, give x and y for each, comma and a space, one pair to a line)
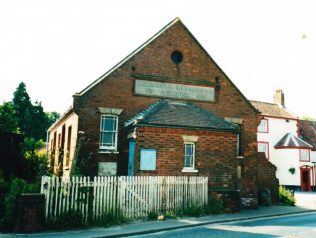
263, 102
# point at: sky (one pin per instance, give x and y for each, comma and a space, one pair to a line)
57, 48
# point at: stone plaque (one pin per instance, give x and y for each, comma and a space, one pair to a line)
107, 169
171, 90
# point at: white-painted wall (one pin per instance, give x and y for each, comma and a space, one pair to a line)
277, 129
313, 156
284, 159
71, 120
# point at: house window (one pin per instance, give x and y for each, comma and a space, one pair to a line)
263, 127
189, 155
108, 132
264, 147
304, 154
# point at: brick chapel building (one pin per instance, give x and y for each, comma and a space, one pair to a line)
166, 109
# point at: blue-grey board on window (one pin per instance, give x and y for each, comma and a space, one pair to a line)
148, 159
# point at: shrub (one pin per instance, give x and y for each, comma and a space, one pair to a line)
286, 197
171, 215
71, 219
110, 218
17, 186
215, 206
194, 210
4, 187
75, 219
152, 215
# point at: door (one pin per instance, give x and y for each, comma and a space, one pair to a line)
305, 180
131, 157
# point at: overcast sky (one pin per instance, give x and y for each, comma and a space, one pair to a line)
59, 47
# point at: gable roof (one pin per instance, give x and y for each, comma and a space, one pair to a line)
122, 62
308, 132
178, 114
291, 141
272, 109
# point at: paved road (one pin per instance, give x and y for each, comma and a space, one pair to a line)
288, 226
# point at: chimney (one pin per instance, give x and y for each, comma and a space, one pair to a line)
279, 98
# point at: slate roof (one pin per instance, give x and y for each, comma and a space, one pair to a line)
272, 109
169, 113
308, 132
290, 140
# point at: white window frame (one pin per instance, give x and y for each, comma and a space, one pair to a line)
266, 148
190, 168
263, 128
304, 152
106, 147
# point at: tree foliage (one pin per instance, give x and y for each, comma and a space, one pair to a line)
308, 118
8, 120
23, 117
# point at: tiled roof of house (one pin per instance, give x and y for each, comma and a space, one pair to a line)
290, 140
308, 132
272, 109
168, 113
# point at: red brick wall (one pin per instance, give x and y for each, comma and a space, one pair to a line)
116, 91
215, 153
266, 177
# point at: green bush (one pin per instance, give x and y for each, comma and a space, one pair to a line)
17, 186
194, 210
75, 219
110, 218
152, 215
71, 219
171, 215
4, 187
215, 206
286, 197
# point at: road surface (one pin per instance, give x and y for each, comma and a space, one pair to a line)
299, 225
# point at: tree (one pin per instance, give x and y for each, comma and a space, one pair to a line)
51, 118
308, 118
31, 118
8, 119
36, 122
22, 104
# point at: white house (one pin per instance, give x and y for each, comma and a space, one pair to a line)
279, 138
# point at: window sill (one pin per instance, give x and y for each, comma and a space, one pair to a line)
189, 170
108, 152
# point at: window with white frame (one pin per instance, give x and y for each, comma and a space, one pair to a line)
189, 155
264, 147
263, 127
108, 132
304, 154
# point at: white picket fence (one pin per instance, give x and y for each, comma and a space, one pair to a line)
132, 196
